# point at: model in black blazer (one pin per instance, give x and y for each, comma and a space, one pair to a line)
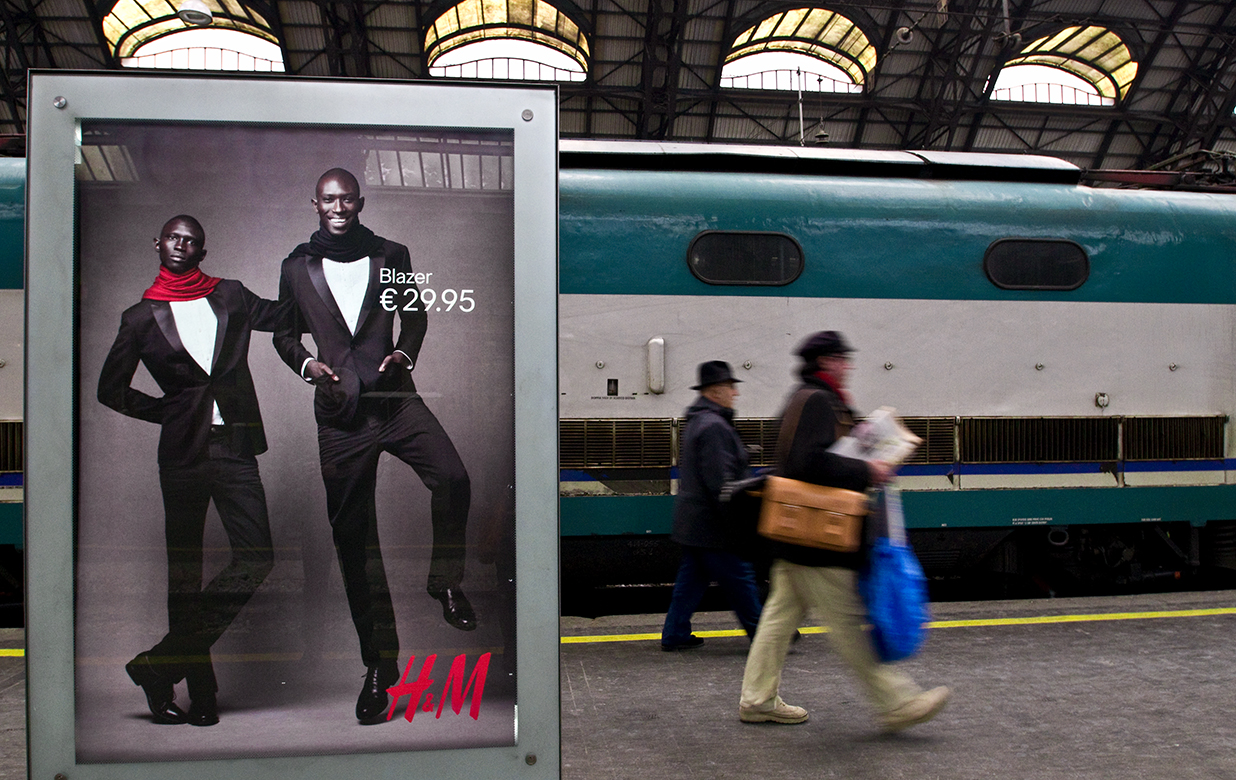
389, 417
199, 461
148, 335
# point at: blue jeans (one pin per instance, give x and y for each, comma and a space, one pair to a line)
699, 568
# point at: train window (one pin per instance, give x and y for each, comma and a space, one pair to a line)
726, 257
1036, 264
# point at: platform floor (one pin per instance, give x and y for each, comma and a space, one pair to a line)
1126, 687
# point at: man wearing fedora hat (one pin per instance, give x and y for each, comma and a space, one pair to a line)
711, 455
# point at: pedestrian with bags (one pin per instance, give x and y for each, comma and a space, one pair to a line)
711, 455
824, 581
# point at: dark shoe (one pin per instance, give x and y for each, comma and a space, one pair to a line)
159, 689
203, 710
690, 643
371, 704
455, 608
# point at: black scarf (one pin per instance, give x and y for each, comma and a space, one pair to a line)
358, 242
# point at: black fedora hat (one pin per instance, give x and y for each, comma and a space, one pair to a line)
823, 344
714, 372
335, 403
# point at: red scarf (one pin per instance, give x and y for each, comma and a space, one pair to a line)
828, 380
184, 287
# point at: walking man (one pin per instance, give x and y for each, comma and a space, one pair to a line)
824, 581
712, 454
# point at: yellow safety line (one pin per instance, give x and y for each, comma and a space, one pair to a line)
978, 623
1037, 620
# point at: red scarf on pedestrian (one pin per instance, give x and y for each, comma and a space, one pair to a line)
180, 287
828, 380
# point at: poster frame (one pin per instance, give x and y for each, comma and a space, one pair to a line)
58, 102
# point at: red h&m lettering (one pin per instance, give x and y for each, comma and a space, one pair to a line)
413, 690
454, 679
454, 687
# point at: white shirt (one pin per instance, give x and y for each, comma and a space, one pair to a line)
198, 327
348, 283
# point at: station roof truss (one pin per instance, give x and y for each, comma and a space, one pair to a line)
926, 67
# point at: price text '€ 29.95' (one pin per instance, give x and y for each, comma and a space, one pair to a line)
410, 298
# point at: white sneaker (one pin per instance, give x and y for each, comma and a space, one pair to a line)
780, 713
919, 709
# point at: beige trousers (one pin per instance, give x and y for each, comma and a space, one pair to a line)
831, 594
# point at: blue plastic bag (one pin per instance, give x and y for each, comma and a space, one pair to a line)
894, 589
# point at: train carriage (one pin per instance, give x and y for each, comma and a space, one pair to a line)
12, 220
1065, 351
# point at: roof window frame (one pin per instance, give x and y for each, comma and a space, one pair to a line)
130, 24
817, 32
1095, 53
536, 21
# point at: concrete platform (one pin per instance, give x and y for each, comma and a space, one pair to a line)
1130, 696
1119, 687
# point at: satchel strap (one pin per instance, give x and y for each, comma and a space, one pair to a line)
789, 422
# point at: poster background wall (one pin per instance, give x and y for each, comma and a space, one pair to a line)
288, 667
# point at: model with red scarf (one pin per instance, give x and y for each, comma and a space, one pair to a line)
192, 331
824, 582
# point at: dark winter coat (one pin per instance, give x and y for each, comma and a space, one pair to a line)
711, 453
809, 460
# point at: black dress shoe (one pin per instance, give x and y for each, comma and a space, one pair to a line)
371, 704
159, 689
690, 643
203, 710
455, 608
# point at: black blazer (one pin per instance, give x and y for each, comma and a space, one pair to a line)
313, 310
148, 334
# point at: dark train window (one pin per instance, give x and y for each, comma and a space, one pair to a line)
722, 257
1036, 264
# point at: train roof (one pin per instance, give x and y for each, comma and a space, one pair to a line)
738, 158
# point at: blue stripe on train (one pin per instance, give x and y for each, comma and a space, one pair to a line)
992, 469
1010, 508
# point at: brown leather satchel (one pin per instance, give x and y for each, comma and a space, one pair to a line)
797, 512
812, 515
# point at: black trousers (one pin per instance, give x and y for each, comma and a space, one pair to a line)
197, 616
405, 428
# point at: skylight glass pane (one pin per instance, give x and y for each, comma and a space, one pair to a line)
520, 12
507, 59
208, 49
1045, 84
559, 53
822, 35
779, 70
790, 22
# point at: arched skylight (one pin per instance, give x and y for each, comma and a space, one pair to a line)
507, 39
132, 23
1076, 65
786, 71
830, 51
1046, 84
206, 49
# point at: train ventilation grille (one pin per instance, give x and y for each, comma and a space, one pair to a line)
1174, 438
937, 433
759, 434
1039, 439
11, 446
584, 444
